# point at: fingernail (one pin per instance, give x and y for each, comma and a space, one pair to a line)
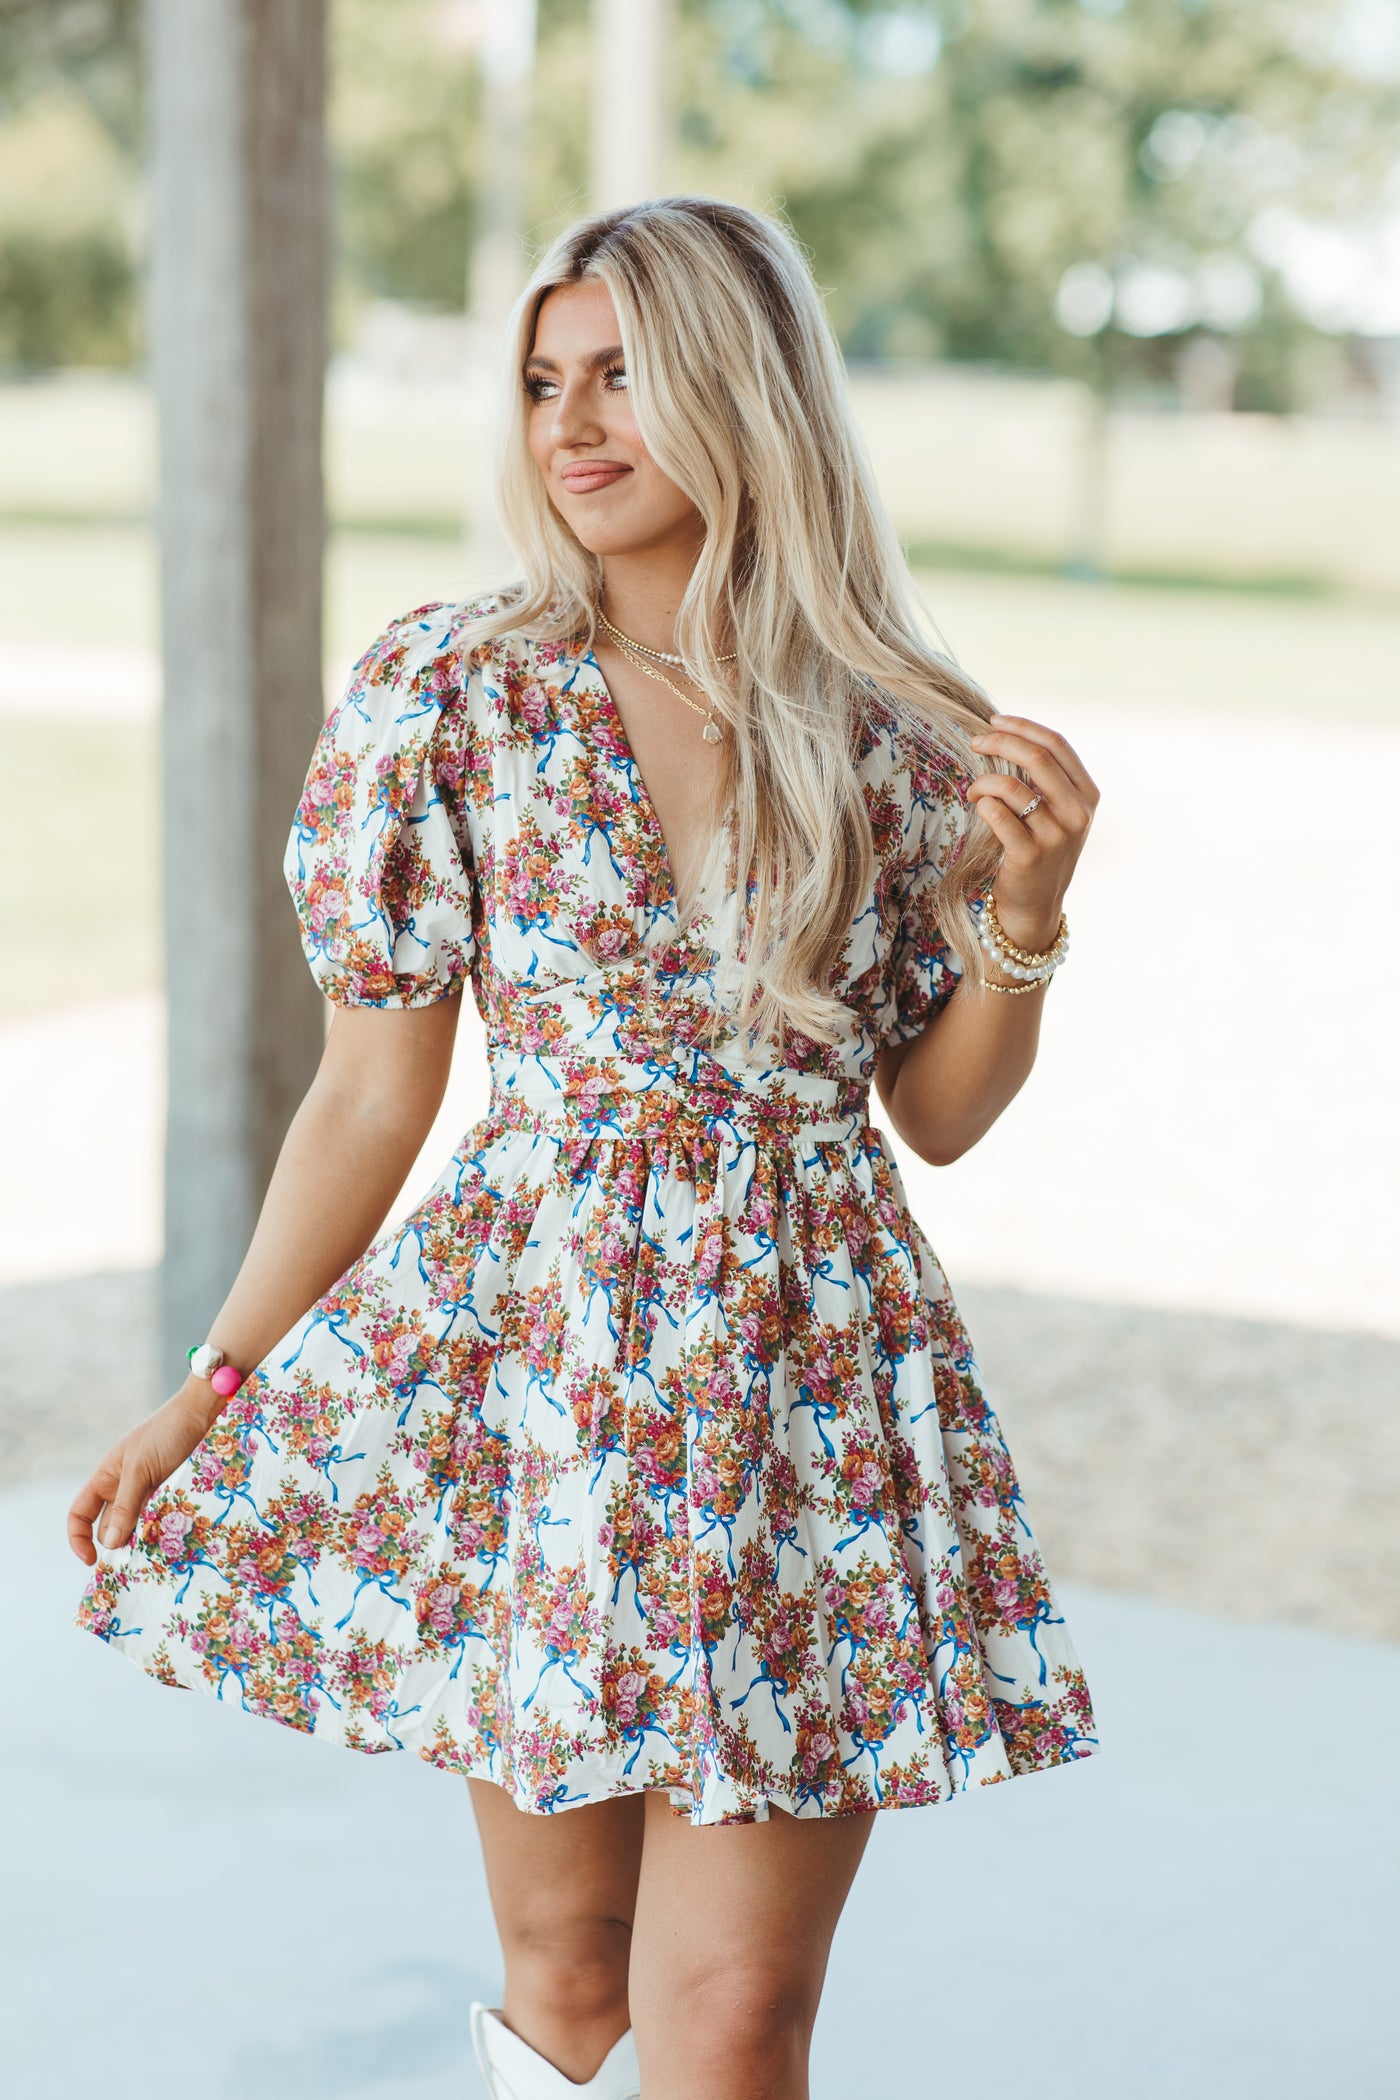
111, 1533
999, 718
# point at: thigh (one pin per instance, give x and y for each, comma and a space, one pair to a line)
734, 1923
580, 1863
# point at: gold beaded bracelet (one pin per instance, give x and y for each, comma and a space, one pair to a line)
1027, 956
1015, 991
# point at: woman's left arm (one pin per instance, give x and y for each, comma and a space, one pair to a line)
945, 1089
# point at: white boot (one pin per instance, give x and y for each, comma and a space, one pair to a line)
515, 2071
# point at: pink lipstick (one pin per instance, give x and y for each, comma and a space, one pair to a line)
586, 475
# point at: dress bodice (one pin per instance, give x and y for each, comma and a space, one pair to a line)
483, 817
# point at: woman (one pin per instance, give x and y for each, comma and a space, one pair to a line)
643, 1475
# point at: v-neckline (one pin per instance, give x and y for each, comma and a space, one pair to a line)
642, 796
642, 793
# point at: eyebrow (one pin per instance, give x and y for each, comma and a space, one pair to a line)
596, 358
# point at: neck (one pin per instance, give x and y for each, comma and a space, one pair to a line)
642, 593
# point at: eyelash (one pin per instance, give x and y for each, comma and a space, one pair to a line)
536, 383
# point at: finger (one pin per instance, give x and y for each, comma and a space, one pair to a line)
87, 1505
1056, 791
1023, 751
1059, 746
1016, 796
1017, 843
123, 1510
1032, 757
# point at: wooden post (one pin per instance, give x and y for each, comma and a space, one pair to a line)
631, 102
238, 323
496, 266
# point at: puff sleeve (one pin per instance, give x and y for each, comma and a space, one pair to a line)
923, 969
378, 860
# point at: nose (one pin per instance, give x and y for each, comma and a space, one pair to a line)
573, 422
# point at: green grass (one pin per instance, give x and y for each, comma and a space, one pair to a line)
79, 862
1056, 640
948, 555
953, 555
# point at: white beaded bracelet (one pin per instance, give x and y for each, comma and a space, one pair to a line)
1021, 963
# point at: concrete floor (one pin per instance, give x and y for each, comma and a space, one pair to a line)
205, 1905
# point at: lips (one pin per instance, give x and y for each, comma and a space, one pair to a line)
585, 477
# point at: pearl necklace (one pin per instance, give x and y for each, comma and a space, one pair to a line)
637, 653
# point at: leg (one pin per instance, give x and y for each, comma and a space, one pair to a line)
563, 1890
733, 1928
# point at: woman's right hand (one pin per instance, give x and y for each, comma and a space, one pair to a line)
132, 1470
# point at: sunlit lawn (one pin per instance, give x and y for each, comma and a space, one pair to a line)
79, 860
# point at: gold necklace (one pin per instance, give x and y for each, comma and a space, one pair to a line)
636, 654
662, 656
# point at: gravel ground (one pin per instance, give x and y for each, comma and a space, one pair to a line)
1231, 1465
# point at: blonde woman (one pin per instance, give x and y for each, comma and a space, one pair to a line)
643, 1475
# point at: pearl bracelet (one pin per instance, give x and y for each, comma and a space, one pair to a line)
1022, 963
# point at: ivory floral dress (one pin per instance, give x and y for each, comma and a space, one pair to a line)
649, 1451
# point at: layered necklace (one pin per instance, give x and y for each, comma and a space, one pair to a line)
647, 660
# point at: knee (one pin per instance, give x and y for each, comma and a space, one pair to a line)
754, 2013
579, 1958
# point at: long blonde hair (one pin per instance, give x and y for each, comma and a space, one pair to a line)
738, 388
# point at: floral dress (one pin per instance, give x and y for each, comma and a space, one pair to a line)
649, 1451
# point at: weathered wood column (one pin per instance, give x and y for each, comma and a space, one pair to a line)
631, 101
496, 265
238, 321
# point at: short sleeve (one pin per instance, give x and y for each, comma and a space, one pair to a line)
923, 969
378, 862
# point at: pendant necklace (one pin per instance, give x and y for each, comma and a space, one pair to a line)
638, 652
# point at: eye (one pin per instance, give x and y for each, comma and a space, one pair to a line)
539, 388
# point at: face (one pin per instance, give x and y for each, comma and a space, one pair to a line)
601, 479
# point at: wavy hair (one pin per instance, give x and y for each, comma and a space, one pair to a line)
739, 392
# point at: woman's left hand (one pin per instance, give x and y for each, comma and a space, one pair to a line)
1040, 849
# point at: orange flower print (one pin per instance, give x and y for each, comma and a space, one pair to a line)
648, 1450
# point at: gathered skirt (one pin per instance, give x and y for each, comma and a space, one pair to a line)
648, 1452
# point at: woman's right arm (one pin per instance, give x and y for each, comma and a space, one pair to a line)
345, 1157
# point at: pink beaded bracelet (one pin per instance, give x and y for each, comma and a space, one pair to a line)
208, 1362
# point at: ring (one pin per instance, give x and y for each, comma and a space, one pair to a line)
1031, 806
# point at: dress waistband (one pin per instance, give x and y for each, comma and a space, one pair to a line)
691, 1099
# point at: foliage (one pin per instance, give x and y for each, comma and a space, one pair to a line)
64, 299
405, 133
92, 44
964, 173
947, 163
70, 130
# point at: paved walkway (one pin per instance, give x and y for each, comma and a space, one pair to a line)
203, 1904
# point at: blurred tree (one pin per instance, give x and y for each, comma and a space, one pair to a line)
93, 45
404, 139
1062, 184
70, 202
1073, 185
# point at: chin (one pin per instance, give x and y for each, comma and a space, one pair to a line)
606, 541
